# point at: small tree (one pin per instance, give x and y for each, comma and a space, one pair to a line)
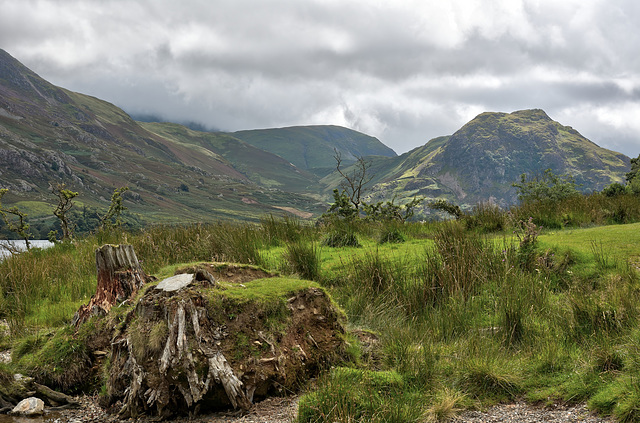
342, 206
65, 203
545, 187
615, 189
633, 176
354, 181
20, 227
112, 217
445, 206
390, 211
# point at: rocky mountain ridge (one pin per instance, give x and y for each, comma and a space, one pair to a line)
481, 160
49, 135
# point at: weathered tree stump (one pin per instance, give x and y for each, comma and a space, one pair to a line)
194, 343
120, 276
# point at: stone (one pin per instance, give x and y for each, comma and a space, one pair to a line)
31, 406
176, 283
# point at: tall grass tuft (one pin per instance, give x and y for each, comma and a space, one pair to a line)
376, 273
445, 404
460, 263
350, 395
283, 229
341, 238
600, 256
489, 374
391, 236
160, 246
45, 287
486, 217
304, 259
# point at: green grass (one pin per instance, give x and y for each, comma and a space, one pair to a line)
619, 242
266, 289
464, 318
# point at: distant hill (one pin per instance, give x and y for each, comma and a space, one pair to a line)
312, 147
482, 159
50, 135
263, 168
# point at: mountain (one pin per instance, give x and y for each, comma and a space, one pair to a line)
312, 147
261, 167
50, 135
482, 159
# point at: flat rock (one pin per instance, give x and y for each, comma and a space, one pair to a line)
176, 283
31, 406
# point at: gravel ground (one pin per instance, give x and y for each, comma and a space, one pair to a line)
521, 412
283, 410
272, 410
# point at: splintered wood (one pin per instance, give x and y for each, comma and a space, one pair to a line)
119, 279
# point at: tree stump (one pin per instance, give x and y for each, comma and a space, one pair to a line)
120, 276
194, 344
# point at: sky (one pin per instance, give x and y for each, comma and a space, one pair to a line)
404, 71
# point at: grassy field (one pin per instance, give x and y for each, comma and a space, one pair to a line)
455, 316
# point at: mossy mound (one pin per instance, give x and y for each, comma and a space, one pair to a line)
218, 343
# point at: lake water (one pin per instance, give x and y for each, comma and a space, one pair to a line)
21, 245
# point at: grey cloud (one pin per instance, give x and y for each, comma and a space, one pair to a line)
403, 71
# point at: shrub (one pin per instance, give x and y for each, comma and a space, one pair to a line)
614, 190
447, 207
527, 233
545, 187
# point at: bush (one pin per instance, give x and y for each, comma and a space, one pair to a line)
545, 187
614, 190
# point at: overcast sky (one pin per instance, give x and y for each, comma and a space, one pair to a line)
404, 71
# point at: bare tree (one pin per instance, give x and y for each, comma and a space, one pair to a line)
355, 179
19, 224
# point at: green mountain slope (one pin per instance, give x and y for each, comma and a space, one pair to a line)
481, 160
49, 135
259, 166
312, 147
